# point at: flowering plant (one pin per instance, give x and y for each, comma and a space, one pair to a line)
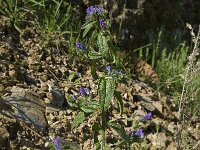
103, 52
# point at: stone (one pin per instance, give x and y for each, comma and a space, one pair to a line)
26, 107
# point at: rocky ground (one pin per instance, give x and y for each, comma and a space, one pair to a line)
35, 87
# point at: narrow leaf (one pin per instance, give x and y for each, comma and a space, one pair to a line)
94, 55
102, 92
93, 70
78, 119
106, 91
120, 101
90, 107
110, 87
87, 27
102, 43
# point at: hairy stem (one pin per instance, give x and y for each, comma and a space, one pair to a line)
103, 118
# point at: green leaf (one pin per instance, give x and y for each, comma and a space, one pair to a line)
93, 70
106, 148
112, 51
71, 102
120, 101
87, 27
102, 42
96, 127
94, 55
78, 119
122, 133
17, 28
71, 76
38, 3
110, 87
106, 91
89, 107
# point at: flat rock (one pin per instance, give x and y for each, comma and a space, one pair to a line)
26, 107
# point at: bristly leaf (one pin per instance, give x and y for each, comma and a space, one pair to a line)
87, 27
102, 92
106, 91
120, 101
112, 51
102, 42
78, 119
90, 107
93, 70
94, 55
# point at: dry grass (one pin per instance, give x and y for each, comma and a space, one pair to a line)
189, 89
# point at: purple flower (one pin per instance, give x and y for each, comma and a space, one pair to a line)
94, 9
102, 23
108, 68
57, 143
82, 91
139, 133
130, 132
80, 46
87, 90
90, 10
98, 9
147, 117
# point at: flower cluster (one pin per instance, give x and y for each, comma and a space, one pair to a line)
108, 68
57, 143
94, 9
102, 23
84, 92
115, 73
79, 45
139, 133
147, 117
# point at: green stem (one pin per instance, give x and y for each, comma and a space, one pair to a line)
103, 118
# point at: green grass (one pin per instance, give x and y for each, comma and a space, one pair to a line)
59, 25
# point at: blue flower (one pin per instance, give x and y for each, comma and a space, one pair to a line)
98, 9
102, 23
139, 133
108, 68
147, 117
82, 91
130, 132
94, 9
80, 46
57, 143
87, 90
90, 10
